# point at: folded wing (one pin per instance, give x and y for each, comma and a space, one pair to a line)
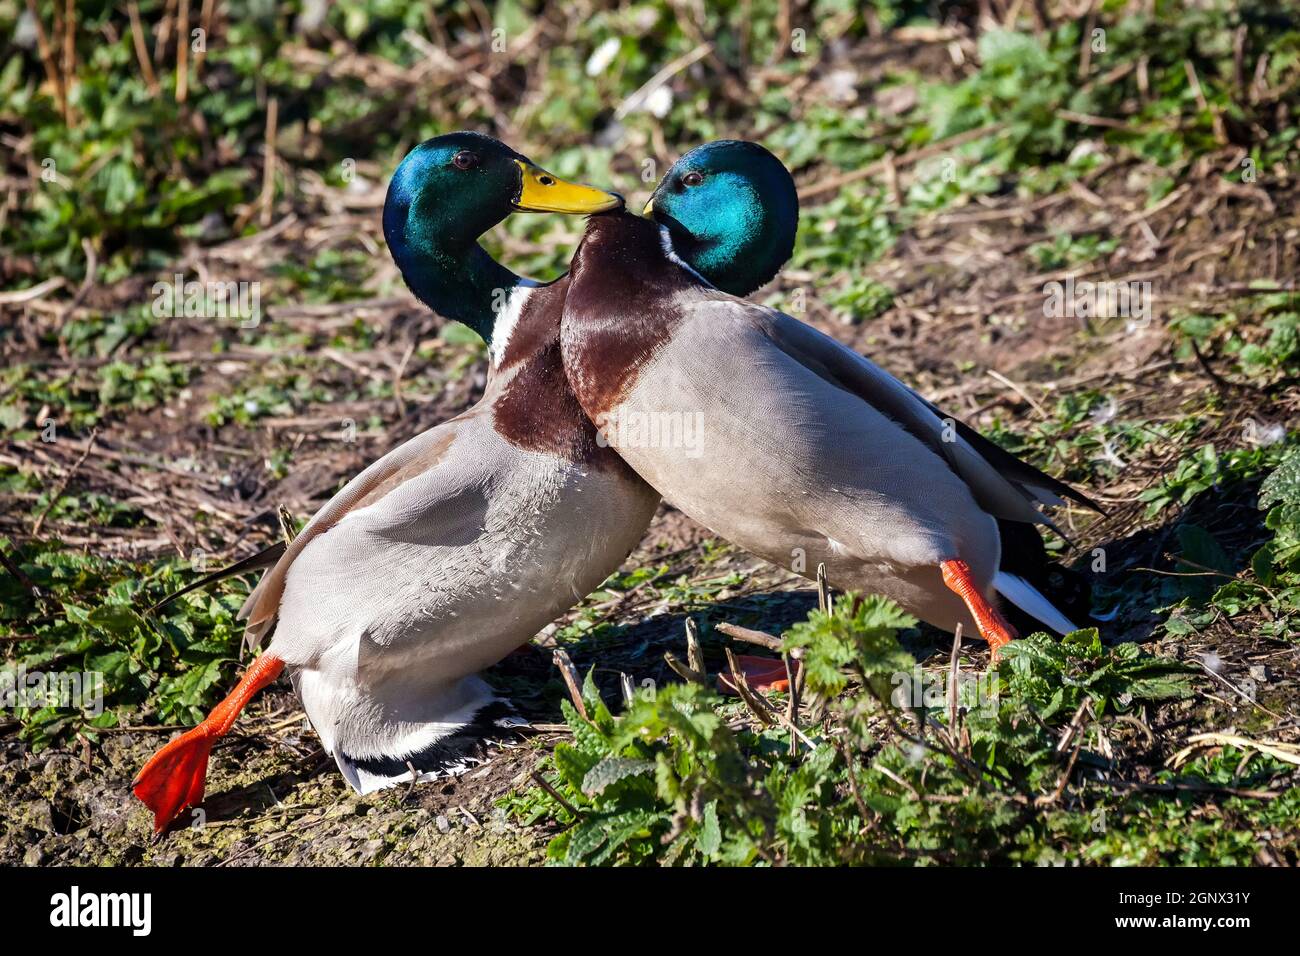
1002, 484
414, 457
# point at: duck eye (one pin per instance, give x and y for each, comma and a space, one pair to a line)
465, 159
692, 179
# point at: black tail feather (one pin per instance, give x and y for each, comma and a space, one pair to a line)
1024, 555
444, 756
263, 559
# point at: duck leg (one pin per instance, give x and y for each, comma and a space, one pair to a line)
992, 625
173, 778
761, 673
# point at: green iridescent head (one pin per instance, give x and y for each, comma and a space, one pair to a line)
447, 192
731, 210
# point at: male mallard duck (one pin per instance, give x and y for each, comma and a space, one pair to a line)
457, 547
811, 453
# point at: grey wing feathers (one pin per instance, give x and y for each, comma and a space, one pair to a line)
1002, 484
1045, 489
414, 457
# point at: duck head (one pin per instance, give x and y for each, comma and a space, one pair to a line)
731, 212
444, 195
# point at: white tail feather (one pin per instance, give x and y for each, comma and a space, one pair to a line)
1030, 600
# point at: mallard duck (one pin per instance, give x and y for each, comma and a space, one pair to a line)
456, 547
811, 453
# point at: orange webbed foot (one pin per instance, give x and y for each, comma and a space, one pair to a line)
761, 673
173, 779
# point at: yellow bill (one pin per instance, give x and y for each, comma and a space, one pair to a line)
542, 192
649, 207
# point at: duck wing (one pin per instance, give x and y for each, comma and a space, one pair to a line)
416, 456
1002, 484
1043, 487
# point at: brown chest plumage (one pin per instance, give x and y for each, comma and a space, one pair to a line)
537, 409
620, 310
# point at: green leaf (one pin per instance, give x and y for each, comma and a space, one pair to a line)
573, 765
114, 618
586, 735
710, 838
1281, 491
595, 704
610, 770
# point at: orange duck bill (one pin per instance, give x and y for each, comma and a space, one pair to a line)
173, 779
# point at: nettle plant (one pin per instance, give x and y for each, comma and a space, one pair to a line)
91, 616
1280, 496
683, 776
